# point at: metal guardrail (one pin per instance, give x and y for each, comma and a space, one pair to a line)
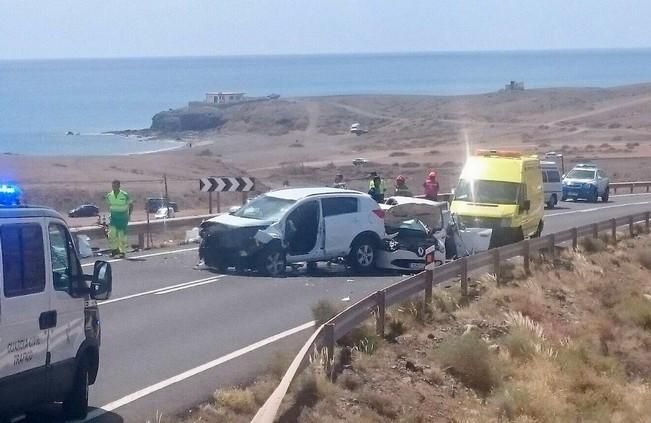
325, 337
143, 227
630, 185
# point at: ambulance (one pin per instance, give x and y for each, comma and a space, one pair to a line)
501, 191
49, 320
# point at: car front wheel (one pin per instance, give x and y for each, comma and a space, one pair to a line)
363, 255
605, 195
272, 261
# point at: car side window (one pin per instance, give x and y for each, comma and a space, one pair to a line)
23, 259
339, 205
65, 267
553, 176
544, 175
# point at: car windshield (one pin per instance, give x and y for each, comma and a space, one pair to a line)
265, 208
581, 174
491, 192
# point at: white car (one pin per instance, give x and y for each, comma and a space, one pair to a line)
415, 224
296, 225
552, 187
164, 213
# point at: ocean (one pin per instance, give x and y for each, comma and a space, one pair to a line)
40, 101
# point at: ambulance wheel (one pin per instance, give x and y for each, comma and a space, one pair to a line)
75, 407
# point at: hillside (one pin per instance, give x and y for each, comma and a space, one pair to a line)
569, 343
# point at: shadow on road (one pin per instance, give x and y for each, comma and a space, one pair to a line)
53, 414
334, 270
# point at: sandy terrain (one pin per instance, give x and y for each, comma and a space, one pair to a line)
306, 141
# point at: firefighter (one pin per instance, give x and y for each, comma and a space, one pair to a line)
431, 187
401, 188
120, 207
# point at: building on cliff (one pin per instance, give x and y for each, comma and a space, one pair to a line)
224, 97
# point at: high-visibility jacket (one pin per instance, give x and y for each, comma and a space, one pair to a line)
119, 207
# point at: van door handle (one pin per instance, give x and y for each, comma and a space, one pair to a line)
47, 320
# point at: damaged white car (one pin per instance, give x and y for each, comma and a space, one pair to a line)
413, 225
293, 226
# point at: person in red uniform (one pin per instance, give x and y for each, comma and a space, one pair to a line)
431, 187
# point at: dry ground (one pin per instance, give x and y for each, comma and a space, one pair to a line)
569, 343
305, 141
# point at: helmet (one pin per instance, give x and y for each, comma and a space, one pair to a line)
432, 175
400, 179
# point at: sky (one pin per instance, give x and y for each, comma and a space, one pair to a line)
32, 29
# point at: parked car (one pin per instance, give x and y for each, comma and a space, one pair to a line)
153, 204
586, 181
552, 186
295, 225
165, 213
85, 210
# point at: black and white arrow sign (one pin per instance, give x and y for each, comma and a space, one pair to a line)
226, 184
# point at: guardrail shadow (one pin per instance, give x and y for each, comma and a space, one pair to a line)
54, 414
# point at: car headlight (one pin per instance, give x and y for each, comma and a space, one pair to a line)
587, 186
391, 245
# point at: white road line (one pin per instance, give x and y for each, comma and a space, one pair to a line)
164, 253
195, 371
194, 285
165, 288
593, 209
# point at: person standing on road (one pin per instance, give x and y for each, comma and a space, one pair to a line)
431, 187
377, 189
120, 207
401, 188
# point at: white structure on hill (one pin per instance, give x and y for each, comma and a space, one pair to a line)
224, 97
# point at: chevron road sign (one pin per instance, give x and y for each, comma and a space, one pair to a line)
226, 184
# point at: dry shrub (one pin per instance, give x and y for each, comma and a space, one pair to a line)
592, 245
644, 257
380, 403
637, 309
323, 311
351, 381
444, 301
362, 338
279, 364
418, 311
239, 401
510, 271
261, 389
398, 154
528, 300
469, 359
519, 344
396, 328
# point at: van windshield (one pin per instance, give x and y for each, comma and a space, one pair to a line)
265, 208
491, 192
581, 174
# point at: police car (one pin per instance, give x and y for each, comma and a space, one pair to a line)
49, 320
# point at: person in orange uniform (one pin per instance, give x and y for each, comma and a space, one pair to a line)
431, 187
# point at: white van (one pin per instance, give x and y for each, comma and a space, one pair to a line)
49, 320
551, 183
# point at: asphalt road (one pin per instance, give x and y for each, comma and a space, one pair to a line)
172, 334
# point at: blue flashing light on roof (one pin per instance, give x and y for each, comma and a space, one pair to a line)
9, 195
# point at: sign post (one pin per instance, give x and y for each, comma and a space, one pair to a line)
219, 184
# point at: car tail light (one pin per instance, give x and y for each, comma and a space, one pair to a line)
379, 213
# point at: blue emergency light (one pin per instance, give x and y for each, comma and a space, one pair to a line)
9, 195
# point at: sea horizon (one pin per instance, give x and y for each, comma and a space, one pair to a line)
43, 99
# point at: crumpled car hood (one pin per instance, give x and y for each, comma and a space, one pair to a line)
239, 222
429, 214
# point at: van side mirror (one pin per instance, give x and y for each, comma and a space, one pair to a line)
526, 205
102, 282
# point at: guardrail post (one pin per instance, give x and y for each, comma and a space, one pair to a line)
141, 241
552, 245
380, 298
464, 277
614, 189
595, 230
632, 186
329, 343
647, 218
613, 230
630, 226
496, 266
575, 238
526, 256
429, 281
647, 187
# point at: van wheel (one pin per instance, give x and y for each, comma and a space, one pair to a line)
362, 255
605, 196
75, 407
272, 261
552, 202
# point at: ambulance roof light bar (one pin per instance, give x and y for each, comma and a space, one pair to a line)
499, 153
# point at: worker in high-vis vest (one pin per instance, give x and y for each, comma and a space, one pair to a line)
120, 208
